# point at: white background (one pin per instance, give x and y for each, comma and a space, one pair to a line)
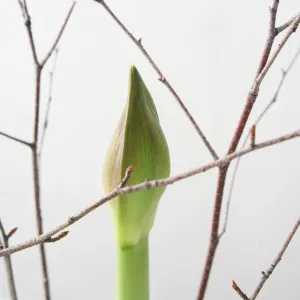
209, 50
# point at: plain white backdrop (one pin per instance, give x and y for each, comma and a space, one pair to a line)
209, 51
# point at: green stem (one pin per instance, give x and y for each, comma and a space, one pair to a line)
133, 272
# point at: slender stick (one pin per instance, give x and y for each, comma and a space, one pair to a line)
61, 31
4, 240
284, 26
270, 270
258, 120
144, 186
162, 78
276, 261
16, 139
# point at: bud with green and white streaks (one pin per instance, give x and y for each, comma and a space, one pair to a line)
138, 141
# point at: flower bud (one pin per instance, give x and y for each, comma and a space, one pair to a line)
139, 142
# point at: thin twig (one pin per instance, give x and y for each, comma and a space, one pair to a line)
276, 261
272, 101
34, 146
263, 68
61, 31
284, 26
146, 186
46, 119
126, 177
16, 139
162, 78
11, 233
29, 32
239, 291
4, 240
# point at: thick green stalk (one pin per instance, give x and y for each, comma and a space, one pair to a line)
133, 271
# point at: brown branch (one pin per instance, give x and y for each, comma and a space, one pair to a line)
263, 68
162, 78
284, 26
16, 139
239, 291
145, 186
34, 146
270, 38
11, 233
272, 101
27, 20
61, 31
276, 261
4, 240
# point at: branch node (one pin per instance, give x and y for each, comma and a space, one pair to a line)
58, 237
126, 177
71, 220
162, 79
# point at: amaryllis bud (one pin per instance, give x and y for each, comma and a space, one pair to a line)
139, 142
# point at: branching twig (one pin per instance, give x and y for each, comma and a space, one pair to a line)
162, 78
144, 186
61, 31
276, 261
263, 68
4, 240
16, 139
284, 26
258, 120
46, 119
34, 146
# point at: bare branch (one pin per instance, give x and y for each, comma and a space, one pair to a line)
284, 26
263, 73
61, 31
162, 78
239, 291
16, 139
34, 146
272, 101
27, 20
276, 261
271, 37
145, 186
4, 240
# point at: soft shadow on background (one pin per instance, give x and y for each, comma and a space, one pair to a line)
209, 50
